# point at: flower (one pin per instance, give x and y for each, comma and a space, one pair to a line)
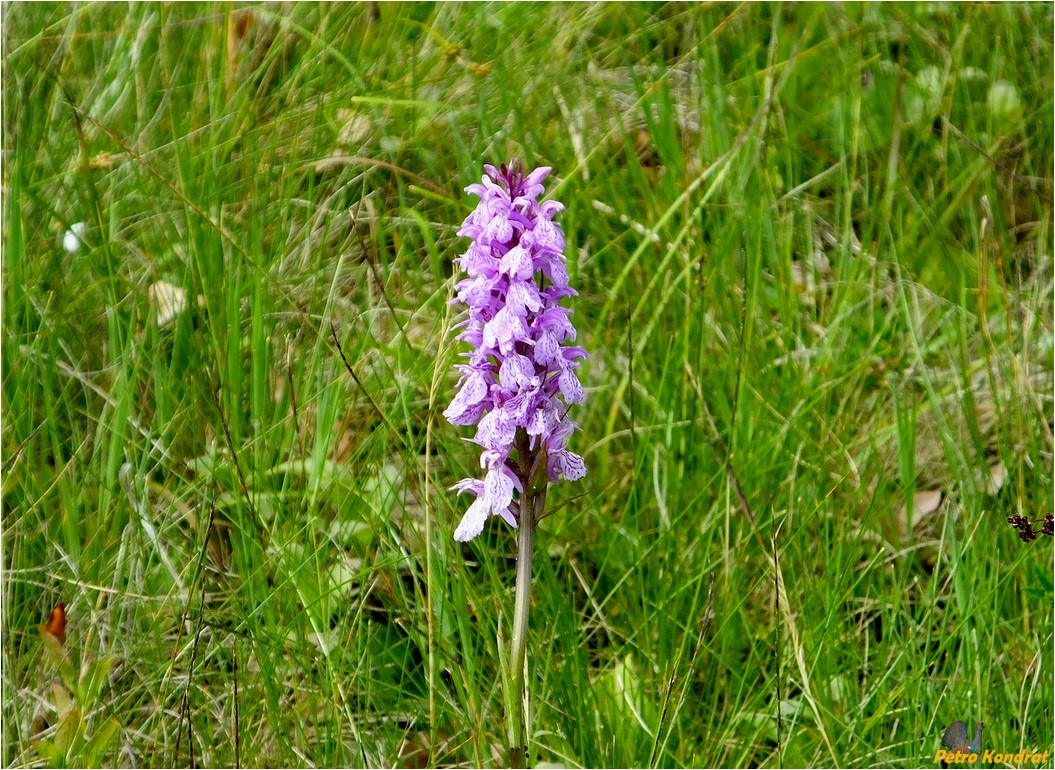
520, 377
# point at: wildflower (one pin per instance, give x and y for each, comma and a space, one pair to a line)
520, 376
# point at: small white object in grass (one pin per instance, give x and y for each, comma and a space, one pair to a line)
1004, 103
997, 477
972, 73
326, 641
928, 500
355, 130
926, 503
168, 300
71, 241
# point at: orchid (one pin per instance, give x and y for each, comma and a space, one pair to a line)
518, 382
520, 377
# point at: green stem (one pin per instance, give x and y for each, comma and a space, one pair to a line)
532, 504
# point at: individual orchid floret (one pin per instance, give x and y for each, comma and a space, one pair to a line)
521, 373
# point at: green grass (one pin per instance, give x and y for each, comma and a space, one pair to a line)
813, 245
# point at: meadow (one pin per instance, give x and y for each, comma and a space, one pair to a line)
813, 250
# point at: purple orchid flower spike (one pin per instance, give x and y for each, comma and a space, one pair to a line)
518, 382
521, 372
